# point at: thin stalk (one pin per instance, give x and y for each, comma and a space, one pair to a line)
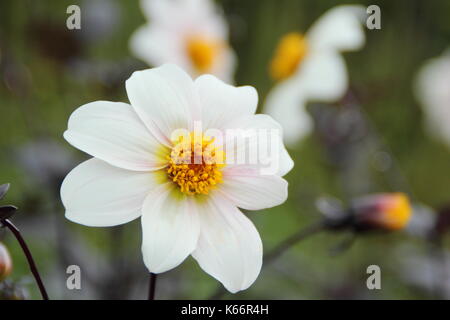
152, 286
292, 240
28, 255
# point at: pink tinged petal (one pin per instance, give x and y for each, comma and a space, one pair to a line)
339, 29
170, 228
286, 104
248, 189
99, 195
222, 103
113, 132
257, 139
229, 247
164, 99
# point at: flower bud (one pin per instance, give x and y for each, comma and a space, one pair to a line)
385, 211
5, 262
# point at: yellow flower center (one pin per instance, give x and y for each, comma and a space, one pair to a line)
202, 52
291, 50
398, 212
195, 164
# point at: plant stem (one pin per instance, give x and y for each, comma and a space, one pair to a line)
152, 286
292, 240
28, 255
279, 250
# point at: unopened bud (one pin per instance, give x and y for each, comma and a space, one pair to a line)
5, 262
386, 211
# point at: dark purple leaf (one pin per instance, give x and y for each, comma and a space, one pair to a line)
3, 190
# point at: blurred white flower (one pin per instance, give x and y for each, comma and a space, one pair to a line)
433, 91
190, 33
310, 68
185, 208
428, 270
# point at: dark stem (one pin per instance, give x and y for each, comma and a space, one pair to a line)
436, 253
28, 255
152, 286
279, 250
292, 240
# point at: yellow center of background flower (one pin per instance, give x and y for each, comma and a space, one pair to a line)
202, 52
195, 164
289, 53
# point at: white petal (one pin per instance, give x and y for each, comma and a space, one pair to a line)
338, 29
256, 140
164, 99
204, 17
229, 247
170, 228
433, 91
187, 17
286, 104
248, 189
225, 65
113, 132
286, 163
222, 103
100, 195
157, 9
322, 77
156, 46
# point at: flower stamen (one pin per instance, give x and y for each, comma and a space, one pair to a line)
202, 52
195, 164
290, 52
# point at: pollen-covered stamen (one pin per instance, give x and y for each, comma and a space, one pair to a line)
290, 52
202, 52
195, 164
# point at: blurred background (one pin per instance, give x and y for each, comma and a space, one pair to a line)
371, 141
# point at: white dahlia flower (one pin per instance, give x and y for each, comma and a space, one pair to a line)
310, 67
190, 33
186, 188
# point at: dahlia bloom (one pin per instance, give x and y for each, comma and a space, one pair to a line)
186, 187
190, 33
310, 67
433, 91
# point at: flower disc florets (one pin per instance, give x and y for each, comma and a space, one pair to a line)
195, 164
